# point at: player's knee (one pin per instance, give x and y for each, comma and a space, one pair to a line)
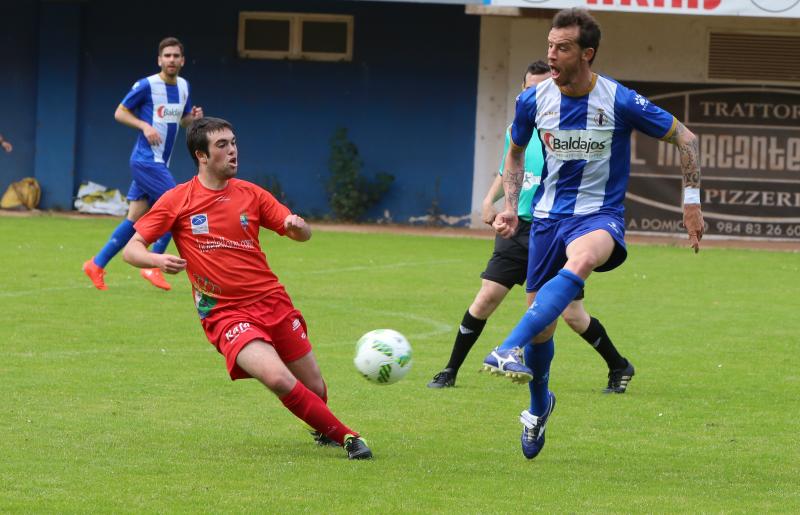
316, 385
486, 302
482, 308
546, 334
573, 319
280, 384
583, 263
137, 209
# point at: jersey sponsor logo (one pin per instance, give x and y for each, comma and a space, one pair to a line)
218, 242
235, 331
581, 144
169, 113
199, 223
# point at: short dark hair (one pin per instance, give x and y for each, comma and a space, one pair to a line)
536, 68
589, 30
197, 134
169, 41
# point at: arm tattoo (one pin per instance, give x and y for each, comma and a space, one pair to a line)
512, 180
690, 155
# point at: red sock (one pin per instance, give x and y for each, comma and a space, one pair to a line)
309, 408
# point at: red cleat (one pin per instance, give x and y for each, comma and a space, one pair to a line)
95, 273
155, 276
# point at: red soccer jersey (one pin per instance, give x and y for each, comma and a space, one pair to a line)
216, 232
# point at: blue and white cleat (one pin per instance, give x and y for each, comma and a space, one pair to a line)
533, 429
507, 363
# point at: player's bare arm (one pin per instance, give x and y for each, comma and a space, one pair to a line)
495, 193
136, 254
197, 112
125, 117
506, 222
687, 145
513, 176
297, 228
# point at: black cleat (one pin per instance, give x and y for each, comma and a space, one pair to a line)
444, 379
356, 448
619, 378
323, 440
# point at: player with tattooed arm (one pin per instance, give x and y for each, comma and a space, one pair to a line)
584, 123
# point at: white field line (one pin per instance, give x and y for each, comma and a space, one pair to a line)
24, 293
388, 266
117, 350
437, 327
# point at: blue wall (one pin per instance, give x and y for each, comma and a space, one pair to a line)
19, 37
56, 102
408, 97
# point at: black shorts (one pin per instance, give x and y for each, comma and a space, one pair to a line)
509, 262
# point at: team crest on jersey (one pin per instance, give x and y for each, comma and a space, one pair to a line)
600, 118
199, 223
243, 220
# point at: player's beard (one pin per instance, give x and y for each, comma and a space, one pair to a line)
171, 74
565, 75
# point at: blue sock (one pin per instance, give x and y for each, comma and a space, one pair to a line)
161, 244
550, 301
538, 358
119, 238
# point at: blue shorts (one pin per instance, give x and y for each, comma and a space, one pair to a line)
150, 181
547, 252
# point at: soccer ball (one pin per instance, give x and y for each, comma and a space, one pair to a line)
383, 356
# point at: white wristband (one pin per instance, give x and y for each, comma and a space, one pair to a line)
691, 195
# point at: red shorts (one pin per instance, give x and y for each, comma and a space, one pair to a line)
273, 319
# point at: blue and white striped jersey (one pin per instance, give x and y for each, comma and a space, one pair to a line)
162, 105
587, 143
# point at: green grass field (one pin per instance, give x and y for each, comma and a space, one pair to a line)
115, 402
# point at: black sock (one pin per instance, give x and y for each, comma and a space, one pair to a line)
597, 337
468, 334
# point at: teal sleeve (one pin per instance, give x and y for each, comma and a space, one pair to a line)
505, 151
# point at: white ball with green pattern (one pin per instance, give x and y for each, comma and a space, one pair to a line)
383, 356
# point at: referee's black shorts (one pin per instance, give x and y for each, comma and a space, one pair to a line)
509, 262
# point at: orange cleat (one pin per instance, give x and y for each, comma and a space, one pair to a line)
95, 273
155, 276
